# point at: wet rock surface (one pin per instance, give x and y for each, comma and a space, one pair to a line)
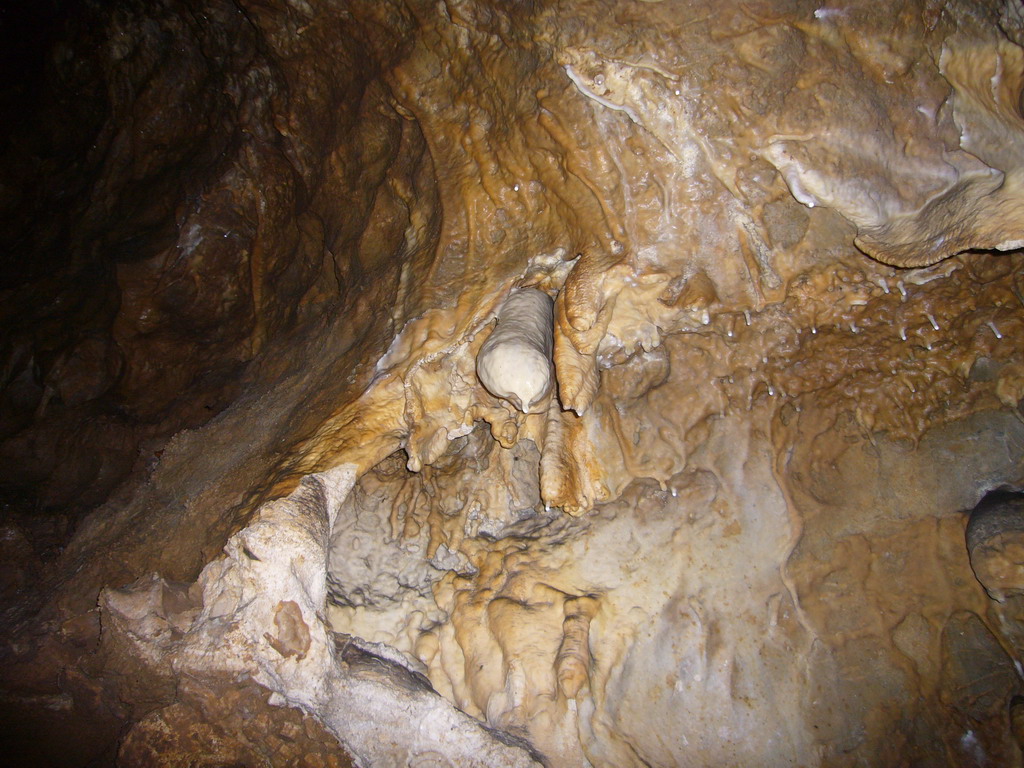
259, 507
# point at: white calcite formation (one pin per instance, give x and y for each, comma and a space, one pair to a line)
784, 375
261, 616
515, 361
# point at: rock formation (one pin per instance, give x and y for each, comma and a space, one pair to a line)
268, 503
515, 361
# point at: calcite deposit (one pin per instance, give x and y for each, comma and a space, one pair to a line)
515, 361
471, 383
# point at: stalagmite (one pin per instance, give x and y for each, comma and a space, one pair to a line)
572, 664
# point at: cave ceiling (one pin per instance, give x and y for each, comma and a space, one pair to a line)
580, 383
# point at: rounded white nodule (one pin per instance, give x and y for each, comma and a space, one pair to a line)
515, 361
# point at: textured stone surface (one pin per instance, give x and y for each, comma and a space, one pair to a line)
230, 724
241, 412
261, 618
995, 543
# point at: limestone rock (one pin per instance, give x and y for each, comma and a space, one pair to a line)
254, 457
995, 541
514, 362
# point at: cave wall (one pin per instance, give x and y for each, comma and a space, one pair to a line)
245, 443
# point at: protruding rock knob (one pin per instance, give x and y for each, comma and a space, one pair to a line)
995, 544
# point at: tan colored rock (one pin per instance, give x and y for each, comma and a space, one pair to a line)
734, 537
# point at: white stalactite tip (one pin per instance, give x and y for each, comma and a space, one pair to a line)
515, 361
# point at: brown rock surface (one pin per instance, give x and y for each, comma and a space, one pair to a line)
259, 508
229, 725
995, 543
